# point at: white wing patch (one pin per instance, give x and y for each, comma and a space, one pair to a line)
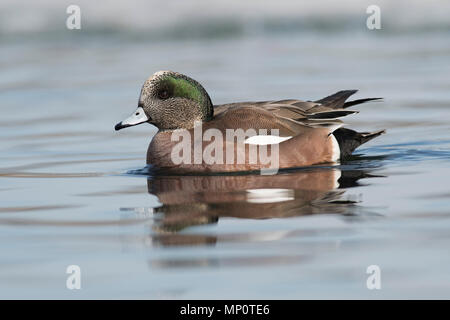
265, 140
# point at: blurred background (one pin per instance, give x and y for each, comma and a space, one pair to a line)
68, 197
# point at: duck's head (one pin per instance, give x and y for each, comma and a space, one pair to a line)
170, 100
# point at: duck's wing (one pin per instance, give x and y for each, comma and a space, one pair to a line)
288, 122
331, 107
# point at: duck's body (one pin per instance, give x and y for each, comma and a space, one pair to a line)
306, 132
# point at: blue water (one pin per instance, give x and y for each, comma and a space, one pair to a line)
75, 192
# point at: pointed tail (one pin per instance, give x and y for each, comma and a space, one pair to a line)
349, 139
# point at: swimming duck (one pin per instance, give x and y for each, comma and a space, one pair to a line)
299, 133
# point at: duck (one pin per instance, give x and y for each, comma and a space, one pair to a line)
195, 136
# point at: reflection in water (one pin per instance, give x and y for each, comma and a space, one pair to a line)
195, 200
229, 261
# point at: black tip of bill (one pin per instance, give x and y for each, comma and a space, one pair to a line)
119, 126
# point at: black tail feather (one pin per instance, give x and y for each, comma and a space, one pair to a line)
337, 100
349, 139
359, 101
336, 113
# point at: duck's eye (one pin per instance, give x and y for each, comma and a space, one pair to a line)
163, 94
